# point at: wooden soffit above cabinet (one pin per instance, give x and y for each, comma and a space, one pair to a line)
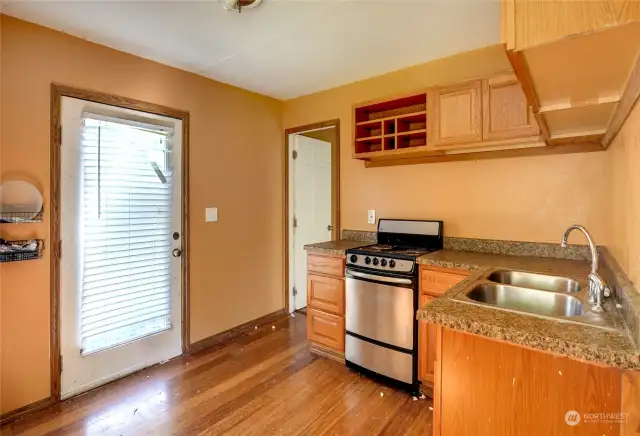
578, 62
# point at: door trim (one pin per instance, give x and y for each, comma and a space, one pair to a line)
57, 92
335, 191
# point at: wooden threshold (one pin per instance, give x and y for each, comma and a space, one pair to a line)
229, 335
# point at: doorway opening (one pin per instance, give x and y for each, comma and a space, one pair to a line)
313, 200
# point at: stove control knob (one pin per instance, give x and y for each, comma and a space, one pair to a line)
383, 262
367, 260
375, 261
392, 264
353, 258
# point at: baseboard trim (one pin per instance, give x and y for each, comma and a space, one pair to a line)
229, 335
427, 390
325, 352
8, 417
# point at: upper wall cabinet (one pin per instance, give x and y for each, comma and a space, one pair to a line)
506, 112
469, 120
455, 114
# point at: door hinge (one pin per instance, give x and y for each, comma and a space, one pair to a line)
294, 154
295, 222
295, 291
61, 363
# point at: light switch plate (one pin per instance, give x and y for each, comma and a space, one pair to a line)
211, 214
371, 217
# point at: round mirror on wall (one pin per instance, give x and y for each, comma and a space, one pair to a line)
20, 201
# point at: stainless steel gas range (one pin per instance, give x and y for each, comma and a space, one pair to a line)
382, 300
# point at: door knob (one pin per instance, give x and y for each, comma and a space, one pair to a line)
176, 252
329, 227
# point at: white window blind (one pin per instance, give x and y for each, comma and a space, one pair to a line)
126, 231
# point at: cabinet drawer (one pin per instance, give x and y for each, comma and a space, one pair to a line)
329, 265
435, 282
326, 329
325, 293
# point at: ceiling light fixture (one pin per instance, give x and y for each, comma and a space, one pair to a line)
239, 5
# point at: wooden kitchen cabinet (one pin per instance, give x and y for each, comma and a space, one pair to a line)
434, 281
506, 112
325, 293
326, 304
427, 334
487, 387
530, 23
454, 114
326, 329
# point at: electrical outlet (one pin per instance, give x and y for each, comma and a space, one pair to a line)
371, 217
211, 214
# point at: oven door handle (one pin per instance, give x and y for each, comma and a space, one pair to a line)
377, 278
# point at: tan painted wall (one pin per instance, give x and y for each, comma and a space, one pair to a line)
625, 227
236, 165
534, 198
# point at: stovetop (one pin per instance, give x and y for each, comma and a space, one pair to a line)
393, 250
399, 244
389, 258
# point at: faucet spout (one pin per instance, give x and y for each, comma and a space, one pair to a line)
592, 245
597, 287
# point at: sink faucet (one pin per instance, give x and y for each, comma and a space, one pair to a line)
597, 287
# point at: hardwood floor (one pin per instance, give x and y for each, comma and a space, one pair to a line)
264, 383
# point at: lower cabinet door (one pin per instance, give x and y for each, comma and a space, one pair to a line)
426, 346
326, 329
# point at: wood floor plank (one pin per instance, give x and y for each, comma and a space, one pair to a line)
266, 382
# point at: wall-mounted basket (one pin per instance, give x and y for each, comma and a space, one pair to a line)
25, 253
21, 217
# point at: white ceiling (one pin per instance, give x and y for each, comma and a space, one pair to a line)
283, 48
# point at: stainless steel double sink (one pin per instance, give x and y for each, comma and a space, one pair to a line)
560, 298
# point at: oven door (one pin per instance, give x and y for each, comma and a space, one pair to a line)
381, 308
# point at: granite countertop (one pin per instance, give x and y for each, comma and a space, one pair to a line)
335, 247
613, 347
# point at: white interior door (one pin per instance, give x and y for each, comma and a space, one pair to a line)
120, 271
311, 205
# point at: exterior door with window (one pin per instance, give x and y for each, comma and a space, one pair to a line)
312, 205
121, 262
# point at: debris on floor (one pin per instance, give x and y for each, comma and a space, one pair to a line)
382, 394
422, 397
414, 399
273, 327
